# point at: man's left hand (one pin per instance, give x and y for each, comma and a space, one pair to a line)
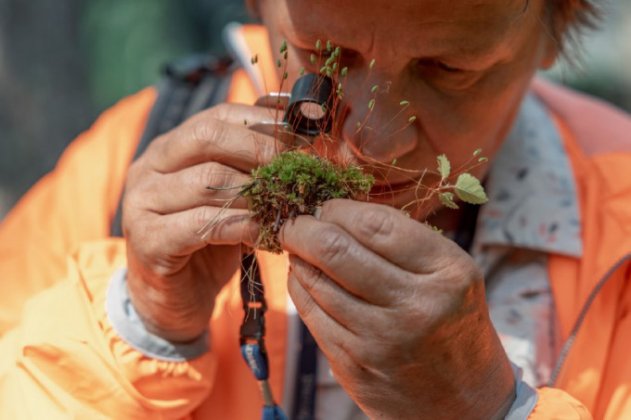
400, 313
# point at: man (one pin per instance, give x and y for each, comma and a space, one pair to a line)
399, 312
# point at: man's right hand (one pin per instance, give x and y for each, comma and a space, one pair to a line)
175, 270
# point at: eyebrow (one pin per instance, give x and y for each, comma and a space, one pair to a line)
475, 51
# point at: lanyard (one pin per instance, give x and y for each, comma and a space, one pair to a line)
252, 335
252, 343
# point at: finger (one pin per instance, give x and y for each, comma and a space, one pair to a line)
332, 338
240, 114
181, 234
214, 136
391, 234
206, 184
355, 268
352, 313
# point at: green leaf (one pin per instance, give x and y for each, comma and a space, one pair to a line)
444, 167
447, 200
469, 189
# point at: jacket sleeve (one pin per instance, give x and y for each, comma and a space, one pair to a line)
72, 204
553, 403
64, 359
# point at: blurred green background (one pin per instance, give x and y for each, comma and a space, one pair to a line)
62, 63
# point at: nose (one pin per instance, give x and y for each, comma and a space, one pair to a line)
379, 124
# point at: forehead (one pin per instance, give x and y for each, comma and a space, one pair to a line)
406, 24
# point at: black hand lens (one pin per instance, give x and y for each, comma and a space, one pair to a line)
310, 105
308, 110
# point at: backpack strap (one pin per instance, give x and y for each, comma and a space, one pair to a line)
188, 86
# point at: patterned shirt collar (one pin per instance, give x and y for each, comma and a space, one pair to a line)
532, 191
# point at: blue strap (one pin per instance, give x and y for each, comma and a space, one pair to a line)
273, 412
256, 360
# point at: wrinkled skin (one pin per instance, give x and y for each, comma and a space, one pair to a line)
398, 309
173, 275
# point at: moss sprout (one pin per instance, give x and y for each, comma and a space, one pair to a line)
296, 183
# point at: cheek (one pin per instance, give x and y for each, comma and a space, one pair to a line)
459, 124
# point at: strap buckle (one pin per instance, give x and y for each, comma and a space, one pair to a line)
253, 327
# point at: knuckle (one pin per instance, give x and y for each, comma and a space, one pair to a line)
220, 111
202, 216
134, 172
304, 304
369, 356
140, 188
142, 243
158, 143
208, 131
331, 244
157, 148
463, 274
375, 222
211, 176
311, 277
308, 308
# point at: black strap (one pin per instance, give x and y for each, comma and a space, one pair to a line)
466, 226
188, 86
306, 377
253, 300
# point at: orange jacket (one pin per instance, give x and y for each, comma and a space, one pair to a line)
61, 358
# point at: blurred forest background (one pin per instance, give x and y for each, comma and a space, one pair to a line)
62, 63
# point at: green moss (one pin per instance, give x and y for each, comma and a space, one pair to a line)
294, 184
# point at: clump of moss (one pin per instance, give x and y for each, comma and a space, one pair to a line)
296, 183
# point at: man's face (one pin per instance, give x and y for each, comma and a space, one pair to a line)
463, 65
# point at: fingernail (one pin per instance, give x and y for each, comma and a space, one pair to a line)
318, 212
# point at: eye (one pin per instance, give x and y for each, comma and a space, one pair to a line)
445, 76
448, 68
437, 66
